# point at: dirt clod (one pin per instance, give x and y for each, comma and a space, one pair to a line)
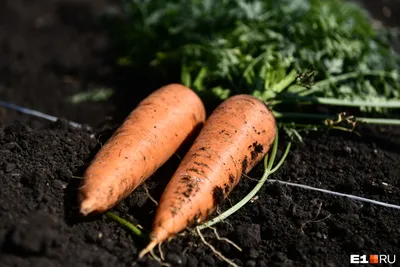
248, 235
257, 148
218, 195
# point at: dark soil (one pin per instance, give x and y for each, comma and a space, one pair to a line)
50, 50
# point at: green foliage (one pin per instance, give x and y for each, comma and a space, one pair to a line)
263, 47
96, 95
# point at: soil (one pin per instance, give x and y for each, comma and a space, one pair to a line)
51, 50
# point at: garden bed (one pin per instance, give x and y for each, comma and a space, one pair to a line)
49, 51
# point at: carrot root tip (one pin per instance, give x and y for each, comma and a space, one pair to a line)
86, 207
146, 250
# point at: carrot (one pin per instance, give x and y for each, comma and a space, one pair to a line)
236, 136
148, 137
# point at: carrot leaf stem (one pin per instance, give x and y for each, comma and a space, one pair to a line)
320, 85
282, 159
340, 102
273, 152
312, 116
135, 230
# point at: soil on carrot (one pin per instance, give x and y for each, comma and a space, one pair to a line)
51, 50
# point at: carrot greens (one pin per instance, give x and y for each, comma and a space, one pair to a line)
307, 52
135, 230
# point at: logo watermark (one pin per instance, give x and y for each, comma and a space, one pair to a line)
372, 259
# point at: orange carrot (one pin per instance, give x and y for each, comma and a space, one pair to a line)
149, 136
236, 136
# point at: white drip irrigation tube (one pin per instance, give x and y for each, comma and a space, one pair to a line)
35, 113
363, 199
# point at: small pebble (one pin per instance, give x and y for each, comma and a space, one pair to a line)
279, 256
357, 242
9, 167
250, 263
253, 253
347, 149
192, 262
59, 184
174, 259
208, 260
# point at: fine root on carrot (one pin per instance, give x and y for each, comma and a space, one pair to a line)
159, 260
314, 220
224, 239
146, 189
149, 249
161, 251
216, 252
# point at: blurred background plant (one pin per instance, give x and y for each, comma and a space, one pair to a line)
292, 54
